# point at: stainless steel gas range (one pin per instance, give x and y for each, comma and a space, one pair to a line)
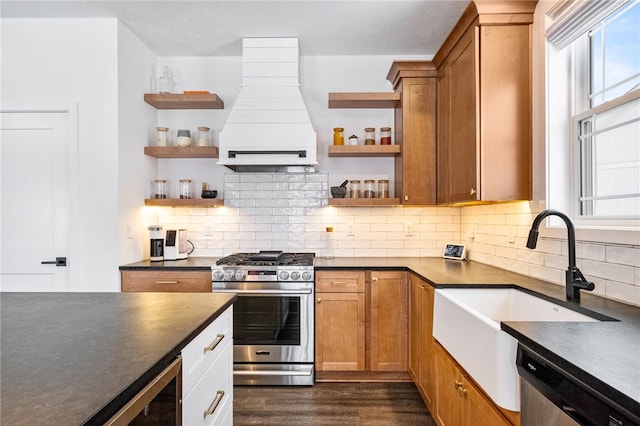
273, 318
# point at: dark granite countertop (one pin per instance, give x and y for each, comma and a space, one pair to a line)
188, 264
76, 358
604, 355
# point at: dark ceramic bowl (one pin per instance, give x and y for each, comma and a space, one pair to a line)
338, 191
209, 193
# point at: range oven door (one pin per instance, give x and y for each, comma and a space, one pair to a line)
273, 333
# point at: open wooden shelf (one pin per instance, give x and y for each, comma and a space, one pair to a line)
364, 99
363, 150
364, 202
184, 202
181, 151
184, 101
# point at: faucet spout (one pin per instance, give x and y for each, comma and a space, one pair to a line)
575, 281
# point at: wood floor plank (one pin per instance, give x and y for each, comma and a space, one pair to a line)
324, 404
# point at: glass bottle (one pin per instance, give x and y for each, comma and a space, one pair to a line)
338, 136
385, 136
383, 188
354, 190
162, 136
369, 136
166, 81
185, 188
369, 188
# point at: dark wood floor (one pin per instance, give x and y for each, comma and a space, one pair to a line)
330, 404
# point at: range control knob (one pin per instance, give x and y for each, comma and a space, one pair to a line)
218, 275
283, 275
295, 275
239, 275
228, 275
306, 276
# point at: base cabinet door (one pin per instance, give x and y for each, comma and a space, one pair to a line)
458, 400
388, 325
421, 345
340, 331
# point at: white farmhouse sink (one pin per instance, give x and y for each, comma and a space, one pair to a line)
466, 321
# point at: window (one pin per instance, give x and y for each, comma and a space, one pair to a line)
598, 47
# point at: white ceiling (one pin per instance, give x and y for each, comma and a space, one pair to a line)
216, 27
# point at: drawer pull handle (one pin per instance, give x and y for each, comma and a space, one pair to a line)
167, 282
214, 405
215, 343
339, 282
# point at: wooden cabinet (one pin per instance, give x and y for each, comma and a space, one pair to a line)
415, 131
361, 322
153, 280
459, 402
388, 328
421, 343
484, 105
340, 321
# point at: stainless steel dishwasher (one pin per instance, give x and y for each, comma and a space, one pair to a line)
550, 396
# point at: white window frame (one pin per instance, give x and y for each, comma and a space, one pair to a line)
561, 181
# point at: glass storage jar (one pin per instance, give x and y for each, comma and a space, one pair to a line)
203, 136
185, 188
369, 190
159, 189
383, 188
369, 136
385, 136
338, 136
162, 136
354, 189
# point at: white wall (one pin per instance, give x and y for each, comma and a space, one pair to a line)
75, 60
136, 120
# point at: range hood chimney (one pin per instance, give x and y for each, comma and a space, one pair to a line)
269, 128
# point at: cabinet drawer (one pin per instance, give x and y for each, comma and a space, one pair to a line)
214, 391
340, 281
181, 281
205, 348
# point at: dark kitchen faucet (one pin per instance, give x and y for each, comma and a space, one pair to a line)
574, 278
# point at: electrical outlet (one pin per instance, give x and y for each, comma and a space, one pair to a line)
129, 231
511, 237
408, 229
350, 232
208, 232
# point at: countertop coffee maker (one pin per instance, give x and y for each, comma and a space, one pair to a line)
156, 237
175, 244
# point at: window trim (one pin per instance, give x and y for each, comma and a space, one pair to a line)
553, 106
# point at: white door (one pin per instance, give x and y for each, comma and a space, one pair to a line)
38, 165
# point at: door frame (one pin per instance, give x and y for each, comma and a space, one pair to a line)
72, 151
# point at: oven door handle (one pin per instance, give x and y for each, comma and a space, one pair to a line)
262, 292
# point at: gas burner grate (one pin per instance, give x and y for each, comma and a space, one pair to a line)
268, 258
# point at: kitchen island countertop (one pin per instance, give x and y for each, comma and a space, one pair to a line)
76, 358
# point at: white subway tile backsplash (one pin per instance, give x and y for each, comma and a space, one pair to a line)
610, 271
623, 255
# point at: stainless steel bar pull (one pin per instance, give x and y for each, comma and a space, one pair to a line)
60, 261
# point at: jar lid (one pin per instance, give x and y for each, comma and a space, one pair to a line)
383, 180
203, 129
185, 180
338, 129
155, 228
162, 129
355, 181
369, 129
160, 181
385, 129
185, 133
369, 181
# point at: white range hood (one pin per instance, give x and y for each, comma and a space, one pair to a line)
269, 126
